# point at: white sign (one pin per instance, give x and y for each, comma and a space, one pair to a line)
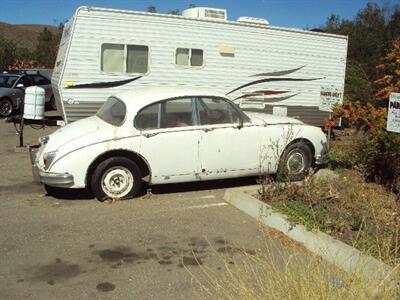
393, 119
329, 96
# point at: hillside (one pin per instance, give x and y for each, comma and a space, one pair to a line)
24, 35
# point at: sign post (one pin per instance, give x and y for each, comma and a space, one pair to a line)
329, 96
393, 117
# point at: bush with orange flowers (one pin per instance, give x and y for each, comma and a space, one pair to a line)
378, 152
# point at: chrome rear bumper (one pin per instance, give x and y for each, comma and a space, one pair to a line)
49, 178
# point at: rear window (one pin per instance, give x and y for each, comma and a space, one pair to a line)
113, 111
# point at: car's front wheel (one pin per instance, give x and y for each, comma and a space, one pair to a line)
6, 107
116, 178
295, 162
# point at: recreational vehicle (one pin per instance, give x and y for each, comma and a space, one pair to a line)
284, 71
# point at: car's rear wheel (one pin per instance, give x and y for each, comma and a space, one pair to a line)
116, 178
295, 162
6, 107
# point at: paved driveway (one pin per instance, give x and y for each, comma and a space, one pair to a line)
146, 248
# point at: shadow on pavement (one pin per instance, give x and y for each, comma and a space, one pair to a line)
69, 194
85, 194
202, 185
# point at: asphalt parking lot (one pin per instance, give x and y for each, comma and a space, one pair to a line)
75, 247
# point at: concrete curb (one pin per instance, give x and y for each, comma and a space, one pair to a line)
345, 257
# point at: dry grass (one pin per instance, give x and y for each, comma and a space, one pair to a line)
362, 214
282, 274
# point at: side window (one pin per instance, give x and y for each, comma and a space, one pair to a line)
167, 114
196, 59
148, 118
39, 80
182, 57
137, 59
177, 113
112, 58
216, 111
189, 57
7, 81
25, 81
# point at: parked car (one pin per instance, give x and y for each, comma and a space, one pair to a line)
12, 89
169, 135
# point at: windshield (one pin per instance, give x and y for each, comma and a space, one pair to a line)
7, 81
113, 111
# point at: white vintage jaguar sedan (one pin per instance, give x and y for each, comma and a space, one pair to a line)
168, 135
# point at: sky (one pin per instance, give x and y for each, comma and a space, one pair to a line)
286, 13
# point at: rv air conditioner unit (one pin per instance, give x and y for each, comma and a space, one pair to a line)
205, 13
252, 20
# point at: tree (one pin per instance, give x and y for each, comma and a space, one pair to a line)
370, 33
7, 53
389, 82
46, 50
378, 151
394, 25
358, 86
151, 9
174, 12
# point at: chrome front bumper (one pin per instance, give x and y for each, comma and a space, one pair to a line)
49, 178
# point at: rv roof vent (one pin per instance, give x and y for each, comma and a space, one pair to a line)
252, 20
205, 13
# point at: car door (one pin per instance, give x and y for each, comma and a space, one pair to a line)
169, 140
20, 90
227, 147
9, 82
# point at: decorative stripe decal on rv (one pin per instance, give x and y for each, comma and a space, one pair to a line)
271, 80
274, 99
278, 73
102, 85
261, 93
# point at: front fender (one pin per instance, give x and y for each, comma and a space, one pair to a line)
77, 162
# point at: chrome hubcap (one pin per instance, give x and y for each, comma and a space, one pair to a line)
117, 182
295, 162
5, 108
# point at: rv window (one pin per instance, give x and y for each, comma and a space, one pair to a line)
112, 58
196, 59
182, 56
189, 57
137, 59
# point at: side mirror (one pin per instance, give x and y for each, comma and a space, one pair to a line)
20, 86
